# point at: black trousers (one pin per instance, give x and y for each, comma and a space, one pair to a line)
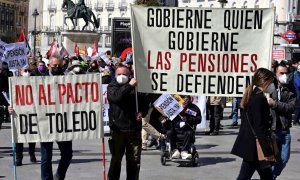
215, 114
248, 169
20, 149
121, 142
188, 137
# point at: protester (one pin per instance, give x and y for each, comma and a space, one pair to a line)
297, 105
65, 147
125, 124
4, 75
41, 70
282, 104
185, 123
216, 105
256, 115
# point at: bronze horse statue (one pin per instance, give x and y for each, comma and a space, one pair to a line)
86, 15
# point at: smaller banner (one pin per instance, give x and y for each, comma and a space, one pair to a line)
56, 108
15, 55
168, 105
2, 49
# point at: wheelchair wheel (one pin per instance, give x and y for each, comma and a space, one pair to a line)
163, 160
196, 160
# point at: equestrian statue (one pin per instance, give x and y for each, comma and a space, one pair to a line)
79, 11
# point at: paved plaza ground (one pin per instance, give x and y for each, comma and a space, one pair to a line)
215, 162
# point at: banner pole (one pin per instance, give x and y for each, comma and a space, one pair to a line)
14, 160
103, 157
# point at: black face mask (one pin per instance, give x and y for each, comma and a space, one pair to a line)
57, 71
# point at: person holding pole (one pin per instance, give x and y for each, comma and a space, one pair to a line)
125, 122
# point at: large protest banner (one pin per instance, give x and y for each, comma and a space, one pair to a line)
199, 51
15, 54
56, 108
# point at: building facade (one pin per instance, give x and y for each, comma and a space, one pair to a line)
13, 19
50, 22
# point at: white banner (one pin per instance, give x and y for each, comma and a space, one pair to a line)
199, 51
56, 108
16, 56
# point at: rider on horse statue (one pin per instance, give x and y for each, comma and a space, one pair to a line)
80, 6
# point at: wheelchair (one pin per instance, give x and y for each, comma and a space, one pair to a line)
166, 152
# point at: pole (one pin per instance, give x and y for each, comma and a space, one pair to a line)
103, 157
34, 38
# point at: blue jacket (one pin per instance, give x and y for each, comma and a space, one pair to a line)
297, 82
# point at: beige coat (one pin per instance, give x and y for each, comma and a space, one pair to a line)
216, 100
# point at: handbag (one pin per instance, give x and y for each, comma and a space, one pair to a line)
266, 161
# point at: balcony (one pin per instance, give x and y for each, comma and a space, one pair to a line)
110, 6
123, 6
107, 28
99, 6
52, 7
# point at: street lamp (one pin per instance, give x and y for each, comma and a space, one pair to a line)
34, 14
222, 2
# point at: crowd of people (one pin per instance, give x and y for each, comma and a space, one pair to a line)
132, 117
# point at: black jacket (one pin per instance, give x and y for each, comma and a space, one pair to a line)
283, 109
192, 117
122, 107
259, 116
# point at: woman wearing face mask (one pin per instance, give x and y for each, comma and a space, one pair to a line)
257, 113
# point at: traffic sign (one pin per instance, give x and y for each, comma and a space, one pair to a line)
289, 36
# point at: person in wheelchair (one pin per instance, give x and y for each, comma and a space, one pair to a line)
184, 125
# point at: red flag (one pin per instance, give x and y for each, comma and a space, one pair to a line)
53, 48
76, 50
95, 49
21, 38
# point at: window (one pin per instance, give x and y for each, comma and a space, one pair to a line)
256, 5
109, 20
52, 22
245, 4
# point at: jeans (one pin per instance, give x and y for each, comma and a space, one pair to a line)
121, 142
235, 109
66, 154
283, 139
248, 169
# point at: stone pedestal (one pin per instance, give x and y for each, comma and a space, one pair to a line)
82, 38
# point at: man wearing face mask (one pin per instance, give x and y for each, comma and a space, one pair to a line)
65, 147
125, 124
282, 102
42, 69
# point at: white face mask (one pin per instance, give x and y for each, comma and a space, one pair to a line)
283, 79
26, 74
271, 88
76, 69
122, 79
